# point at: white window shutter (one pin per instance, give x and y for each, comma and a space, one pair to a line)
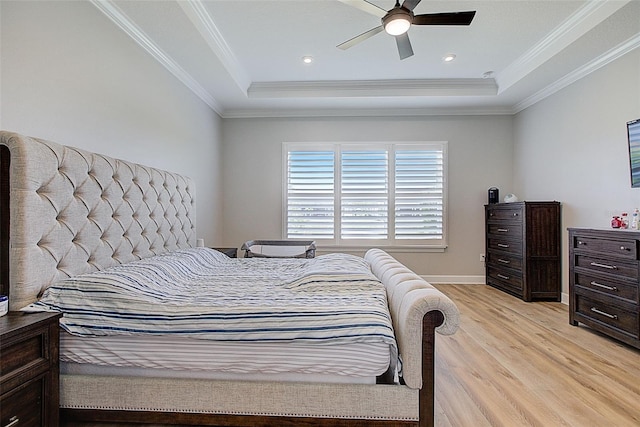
357, 195
419, 194
364, 194
310, 194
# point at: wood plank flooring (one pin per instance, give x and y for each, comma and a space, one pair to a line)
513, 363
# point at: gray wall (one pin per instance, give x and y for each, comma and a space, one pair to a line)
69, 75
572, 147
480, 154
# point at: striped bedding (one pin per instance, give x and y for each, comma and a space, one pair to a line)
171, 357
202, 294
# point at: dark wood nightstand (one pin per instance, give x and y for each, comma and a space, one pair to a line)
29, 370
230, 252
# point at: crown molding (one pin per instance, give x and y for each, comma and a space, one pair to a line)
583, 20
375, 88
365, 112
201, 19
599, 62
118, 17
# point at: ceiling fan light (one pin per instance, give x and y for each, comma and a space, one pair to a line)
397, 21
397, 26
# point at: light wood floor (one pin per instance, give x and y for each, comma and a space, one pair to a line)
513, 364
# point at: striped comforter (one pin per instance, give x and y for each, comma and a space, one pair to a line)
203, 294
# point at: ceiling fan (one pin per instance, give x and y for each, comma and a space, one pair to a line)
398, 20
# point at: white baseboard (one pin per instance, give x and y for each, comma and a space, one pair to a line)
455, 280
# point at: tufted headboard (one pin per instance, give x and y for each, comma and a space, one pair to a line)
66, 211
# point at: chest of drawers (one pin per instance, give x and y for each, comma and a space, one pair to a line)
29, 385
604, 277
523, 249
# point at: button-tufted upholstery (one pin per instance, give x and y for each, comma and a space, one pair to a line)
73, 211
410, 298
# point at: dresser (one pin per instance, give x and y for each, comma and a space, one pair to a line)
603, 282
523, 252
29, 385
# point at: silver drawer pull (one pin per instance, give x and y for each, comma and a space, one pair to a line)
515, 214
504, 261
13, 421
502, 245
502, 276
624, 248
610, 316
610, 267
503, 230
580, 242
600, 285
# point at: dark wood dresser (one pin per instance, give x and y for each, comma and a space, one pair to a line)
29, 384
603, 282
523, 252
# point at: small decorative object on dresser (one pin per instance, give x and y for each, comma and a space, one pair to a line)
603, 282
523, 249
29, 387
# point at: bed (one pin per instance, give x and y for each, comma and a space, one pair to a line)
68, 213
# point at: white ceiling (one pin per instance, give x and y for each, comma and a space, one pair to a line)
244, 58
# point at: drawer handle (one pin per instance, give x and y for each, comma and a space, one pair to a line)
609, 267
515, 214
502, 276
13, 421
580, 242
624, 248
609, 288
503, 230
504, 261
610, 316
503, 245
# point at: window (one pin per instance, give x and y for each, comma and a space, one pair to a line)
366, 194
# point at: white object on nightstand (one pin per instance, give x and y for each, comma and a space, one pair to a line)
4, 305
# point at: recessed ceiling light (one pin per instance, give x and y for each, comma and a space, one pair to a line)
307, 59
449, 57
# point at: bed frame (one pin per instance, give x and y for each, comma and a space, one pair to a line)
66, 211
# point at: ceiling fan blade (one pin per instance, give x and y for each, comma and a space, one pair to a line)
360, 38
410, 4
450, 18
365, 6
404, 46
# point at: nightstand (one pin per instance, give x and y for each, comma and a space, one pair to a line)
230, 252
29, 370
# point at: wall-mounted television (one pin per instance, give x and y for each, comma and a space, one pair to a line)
633, 135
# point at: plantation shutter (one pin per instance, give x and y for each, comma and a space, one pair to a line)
419, 193
310, 194
364, 194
